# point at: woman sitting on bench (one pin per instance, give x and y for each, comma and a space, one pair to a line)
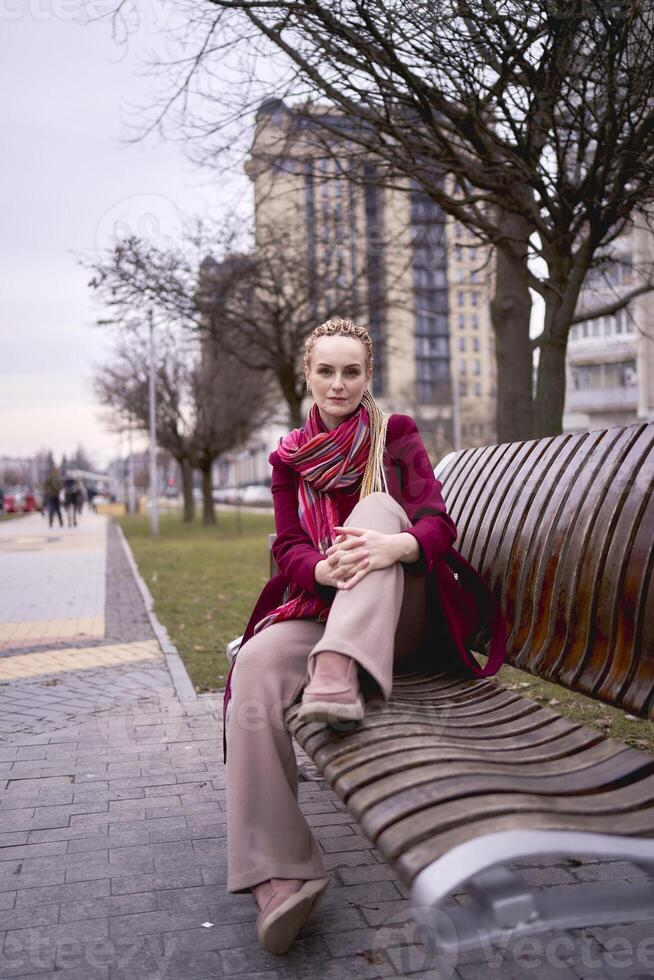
362, 533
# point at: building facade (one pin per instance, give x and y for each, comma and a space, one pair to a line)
610, 359
383, 253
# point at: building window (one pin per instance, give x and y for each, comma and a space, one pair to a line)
474, 297
477, 388
462, 321
462, 343
463, 388
429, 266
374, 259
460, 298
617, 374
462, 367
475, 343
476, 366
475, 321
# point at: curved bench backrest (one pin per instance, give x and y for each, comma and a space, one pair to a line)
562, 529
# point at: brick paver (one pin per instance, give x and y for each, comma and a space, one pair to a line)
113, 830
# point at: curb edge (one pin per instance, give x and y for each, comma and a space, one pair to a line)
176, 667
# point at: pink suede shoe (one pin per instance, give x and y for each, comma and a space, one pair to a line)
332, 694
285, 910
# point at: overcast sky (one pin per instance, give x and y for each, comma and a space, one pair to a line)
67, 181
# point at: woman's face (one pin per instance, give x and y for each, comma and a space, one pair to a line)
338, 377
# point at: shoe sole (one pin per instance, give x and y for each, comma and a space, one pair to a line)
331, 712
277, 932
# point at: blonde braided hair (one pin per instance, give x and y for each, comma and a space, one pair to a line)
374, 475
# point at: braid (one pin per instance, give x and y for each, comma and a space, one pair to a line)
374, 476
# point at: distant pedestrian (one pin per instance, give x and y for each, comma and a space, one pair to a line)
51, 490
80, 496
70, 498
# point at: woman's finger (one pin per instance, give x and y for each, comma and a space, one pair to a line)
359, 574
353, 543
348, 568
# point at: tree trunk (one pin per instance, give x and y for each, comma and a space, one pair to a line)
550, 386
208, 509
510, 311
288, 389
187, 489
567, 278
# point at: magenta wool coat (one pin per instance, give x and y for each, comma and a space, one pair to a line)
460, 602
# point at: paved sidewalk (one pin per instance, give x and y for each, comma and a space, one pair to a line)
112, 823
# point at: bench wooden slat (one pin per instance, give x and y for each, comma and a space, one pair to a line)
487, 705
561, 736
636, 631
383, 776
425, 749
397, 838
418, 857
561, 529
478, 787
607, 523
524, 721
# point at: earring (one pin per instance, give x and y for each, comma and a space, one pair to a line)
308, 387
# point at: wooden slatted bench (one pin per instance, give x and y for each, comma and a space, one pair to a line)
456, 778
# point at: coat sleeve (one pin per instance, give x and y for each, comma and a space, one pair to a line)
293, 549
422, 500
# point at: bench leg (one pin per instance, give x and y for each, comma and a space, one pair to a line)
504, 906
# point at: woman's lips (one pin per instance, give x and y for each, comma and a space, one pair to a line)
336, 398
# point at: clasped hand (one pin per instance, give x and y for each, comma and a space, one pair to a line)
355, 552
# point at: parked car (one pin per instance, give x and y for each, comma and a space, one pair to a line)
13, 501
257, 495
21, 500
225, 495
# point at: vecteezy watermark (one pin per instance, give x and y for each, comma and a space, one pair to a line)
33, 951
425, 940
150, 15
153, 218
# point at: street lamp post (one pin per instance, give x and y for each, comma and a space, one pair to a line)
131, 489
154, 512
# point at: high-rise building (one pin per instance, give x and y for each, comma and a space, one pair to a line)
610, 359
383, 253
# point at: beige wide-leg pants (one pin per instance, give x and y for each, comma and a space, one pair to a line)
380, 623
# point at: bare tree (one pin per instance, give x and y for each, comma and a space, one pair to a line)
231, 401
260, 307
532, 124
206, 403
255, 305
122, 387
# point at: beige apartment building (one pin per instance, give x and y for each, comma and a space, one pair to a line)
610, 359
389, 258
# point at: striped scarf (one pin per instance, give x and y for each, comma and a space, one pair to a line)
325, 461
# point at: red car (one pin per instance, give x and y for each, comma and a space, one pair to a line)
20, 501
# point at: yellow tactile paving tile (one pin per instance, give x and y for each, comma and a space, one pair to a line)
92, 627
55, 661
37, 542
